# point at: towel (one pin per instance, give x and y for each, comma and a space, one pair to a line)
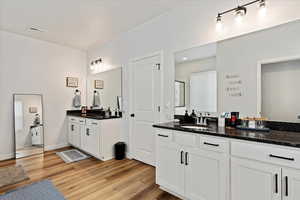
77, 101
96, 99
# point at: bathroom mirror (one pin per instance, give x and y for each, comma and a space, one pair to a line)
28, 124
104, 89
196, 80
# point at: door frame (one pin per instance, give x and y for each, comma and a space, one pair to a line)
131, 106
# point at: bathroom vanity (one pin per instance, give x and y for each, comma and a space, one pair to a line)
94, 134
223, 163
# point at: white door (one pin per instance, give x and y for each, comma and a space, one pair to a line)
291, 184
254, 180
145, 106
170, 167
206, 175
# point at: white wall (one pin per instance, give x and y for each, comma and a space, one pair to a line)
33, 66
189, 25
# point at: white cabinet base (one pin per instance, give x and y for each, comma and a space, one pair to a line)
95, 137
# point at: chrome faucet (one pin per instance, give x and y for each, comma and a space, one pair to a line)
202, 118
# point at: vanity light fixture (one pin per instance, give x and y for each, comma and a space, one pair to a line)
95, 64
240, 11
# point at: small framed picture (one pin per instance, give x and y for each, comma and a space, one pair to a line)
99, 84
33, 109
72, 82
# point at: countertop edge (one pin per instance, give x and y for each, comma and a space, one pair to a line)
280, 143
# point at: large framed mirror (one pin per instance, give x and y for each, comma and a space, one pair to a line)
257, 75
28, 124
104, 90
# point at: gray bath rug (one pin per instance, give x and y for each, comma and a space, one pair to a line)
11, 175
72, 155
43, 190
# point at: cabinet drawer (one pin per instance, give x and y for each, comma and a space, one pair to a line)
185, 138
81, 121
164, 136
92, 122
214, 144
267, 153
74, 119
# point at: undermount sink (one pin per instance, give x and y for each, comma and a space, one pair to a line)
195, 127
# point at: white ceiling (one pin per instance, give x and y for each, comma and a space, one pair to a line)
78, 23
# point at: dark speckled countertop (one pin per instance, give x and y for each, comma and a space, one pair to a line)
89, 115
284, 138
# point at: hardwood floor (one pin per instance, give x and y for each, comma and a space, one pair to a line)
92, 179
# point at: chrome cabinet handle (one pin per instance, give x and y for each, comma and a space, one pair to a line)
211, 144
94, 123
88, 132
72, 127
281, 157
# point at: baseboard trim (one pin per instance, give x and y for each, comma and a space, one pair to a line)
6, 156
56, 146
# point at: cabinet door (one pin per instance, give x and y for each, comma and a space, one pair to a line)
170, 168
206, 175
72, 132
254, 180
291, 184
92, 140
76, 136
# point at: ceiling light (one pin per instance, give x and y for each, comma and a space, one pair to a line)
240, 12
219, 22
262, 7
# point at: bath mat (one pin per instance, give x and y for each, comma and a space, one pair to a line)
43, 190
72, 155
11, 175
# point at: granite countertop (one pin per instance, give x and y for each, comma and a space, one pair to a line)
90, 116
285, 138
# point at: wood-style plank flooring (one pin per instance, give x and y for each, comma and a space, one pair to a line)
92, 179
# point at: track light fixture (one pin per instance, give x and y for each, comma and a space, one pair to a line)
240, 11
95, 63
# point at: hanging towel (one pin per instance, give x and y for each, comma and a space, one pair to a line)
96, 99
77, 99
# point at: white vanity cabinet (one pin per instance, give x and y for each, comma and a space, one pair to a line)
201, 167
95, 137
266, 172
192, 167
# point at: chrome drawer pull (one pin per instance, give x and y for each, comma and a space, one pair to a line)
281, 157
94, 123
163, 135
211, 144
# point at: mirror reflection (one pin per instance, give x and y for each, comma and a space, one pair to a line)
196, 80
105, 90
29, 124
